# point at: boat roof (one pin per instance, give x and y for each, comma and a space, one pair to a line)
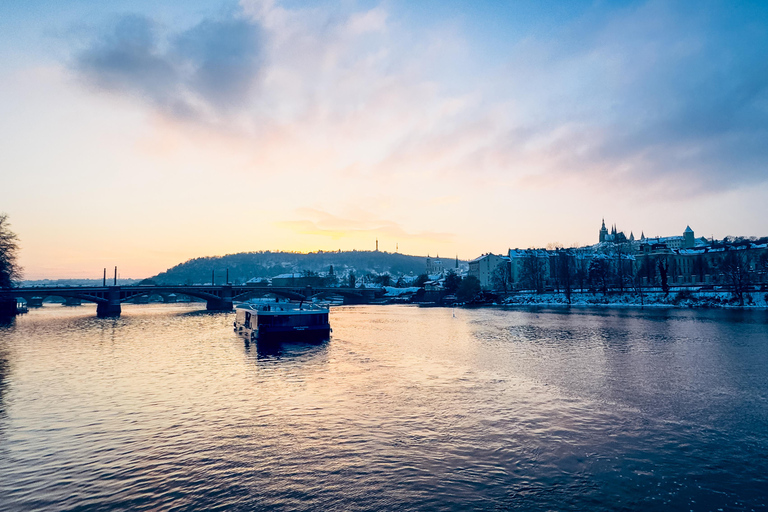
284, 308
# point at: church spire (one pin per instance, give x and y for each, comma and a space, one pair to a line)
603, 232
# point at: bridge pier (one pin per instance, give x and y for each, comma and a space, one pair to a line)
112, 307
72, 301
223, 303
35, 302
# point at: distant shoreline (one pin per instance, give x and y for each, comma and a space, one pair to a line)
720, 300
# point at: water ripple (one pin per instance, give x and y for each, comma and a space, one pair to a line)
404, 408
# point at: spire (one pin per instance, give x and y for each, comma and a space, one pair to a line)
603, 232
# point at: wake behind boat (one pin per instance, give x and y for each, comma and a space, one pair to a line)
282, 321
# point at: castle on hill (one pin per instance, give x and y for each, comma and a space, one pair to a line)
686, 241
618, 261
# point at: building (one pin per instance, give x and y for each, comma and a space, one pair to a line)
614, 236
618, 262
529, 269
483, 267
434, 266
688, 260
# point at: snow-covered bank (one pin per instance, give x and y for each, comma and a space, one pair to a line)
680, 299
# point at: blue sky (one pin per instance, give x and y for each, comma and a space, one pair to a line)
138, 133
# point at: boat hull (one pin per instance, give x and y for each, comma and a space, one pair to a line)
306, 334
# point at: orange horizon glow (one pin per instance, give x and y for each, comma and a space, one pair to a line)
329, 129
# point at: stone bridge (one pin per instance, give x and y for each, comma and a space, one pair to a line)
108, 299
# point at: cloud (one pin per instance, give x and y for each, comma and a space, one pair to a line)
657, 94
666, 99
207, 70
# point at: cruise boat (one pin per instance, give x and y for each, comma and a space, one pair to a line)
282, 321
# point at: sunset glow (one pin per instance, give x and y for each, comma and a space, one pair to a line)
142, 136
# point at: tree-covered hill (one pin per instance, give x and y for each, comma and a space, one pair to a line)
249, 265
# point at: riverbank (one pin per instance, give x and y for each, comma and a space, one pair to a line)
681, 299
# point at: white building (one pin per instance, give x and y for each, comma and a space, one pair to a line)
482, 268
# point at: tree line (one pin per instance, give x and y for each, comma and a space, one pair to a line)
10, 271
568, 271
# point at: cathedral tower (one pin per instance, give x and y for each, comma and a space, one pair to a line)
603, 232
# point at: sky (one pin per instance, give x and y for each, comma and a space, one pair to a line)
142, 134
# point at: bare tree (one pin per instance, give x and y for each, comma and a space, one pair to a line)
10, 271
582, 271
700, 267
565, 272
647, 269
533, 271
501, 277
620, 267
663, 273
637, 285
735, 267
599, 272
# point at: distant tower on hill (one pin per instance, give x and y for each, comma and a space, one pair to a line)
377, 245
603, 232
688, 239
614, 235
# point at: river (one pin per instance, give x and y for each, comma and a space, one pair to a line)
405, 408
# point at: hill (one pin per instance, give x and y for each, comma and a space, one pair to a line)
245, 266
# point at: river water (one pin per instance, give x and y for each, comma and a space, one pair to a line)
405, 408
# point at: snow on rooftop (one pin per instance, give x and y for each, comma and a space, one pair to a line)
288, 276
391, 291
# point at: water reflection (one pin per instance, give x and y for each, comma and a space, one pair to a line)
404, 408
205, 312
284, 350
652, 314
5, 369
